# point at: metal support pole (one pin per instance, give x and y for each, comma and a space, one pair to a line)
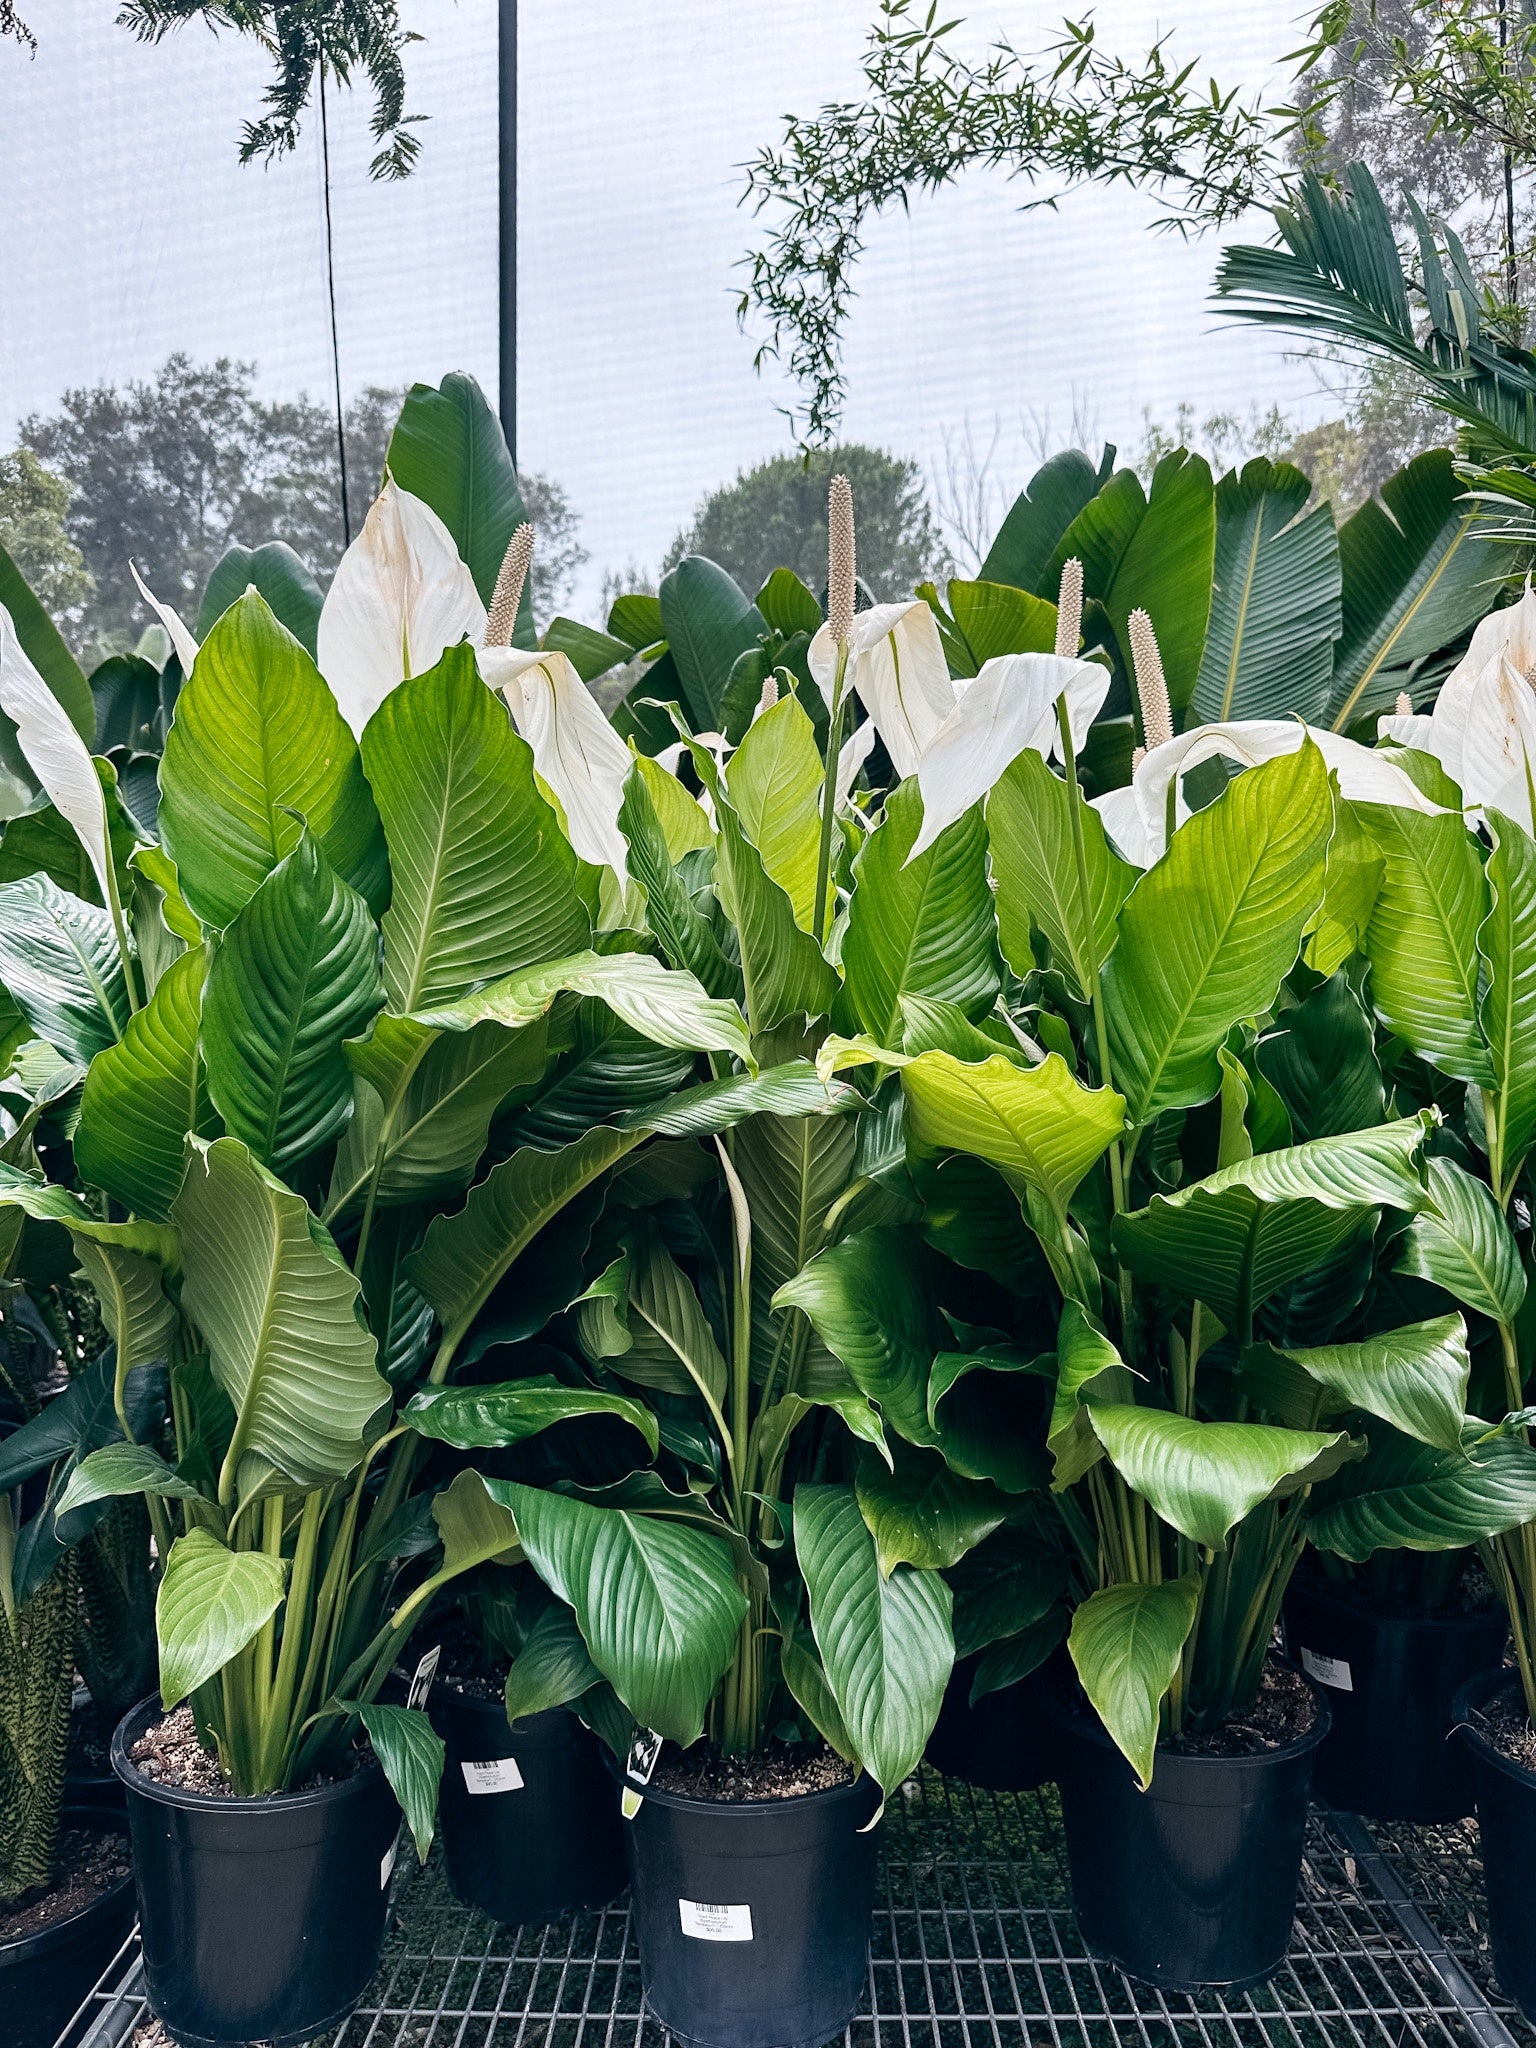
507, 215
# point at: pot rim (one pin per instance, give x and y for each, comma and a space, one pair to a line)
1502, 1680
1449, 1624
695, 1802
212, 1802
24, 1947
1079, 1714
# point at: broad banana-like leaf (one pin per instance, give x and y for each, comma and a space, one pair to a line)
295, 975
143, 1097
1275, 607
886, 1642
575, 749
897, 668
1166, 570
684, 934
1321, 1058
708, 620
1126, 1642
775, 782
283, 580
996, 619
268, 1289
56, 754
1203, 1477
1023, 545
491, 1418
1237, 1236
399, 598
1088, 1369
257, 751
1507, 946
1034, 868
1422, 937
60, 965
1415, 1378
484, 880
920, 926
657, 1601
552, 1668
412, 1754
923, 1514
448, 450
1464, 1245
1208, 934
1408, 1495
212, 1601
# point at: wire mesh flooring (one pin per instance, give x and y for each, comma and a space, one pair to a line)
974, 1944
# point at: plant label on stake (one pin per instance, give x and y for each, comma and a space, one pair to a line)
1332, 1671
643, 1752
421, 1683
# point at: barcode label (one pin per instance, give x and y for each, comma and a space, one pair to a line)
715, 1923
1327, 1670
496, 1774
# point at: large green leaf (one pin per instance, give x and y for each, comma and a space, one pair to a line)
1088, 1369
276, 571
212, 1601
1422, 937
277, 1307
1321, 1059
552, 1667
657, 1601
1034, 867
44, 646
43, 841
708, 620
475, 1528
1207, 935
922, 1513
1166, 570
122, 1468
871, 1301
448, 449
608, 1069
1038, 1125
998, 618
1408, 1495
1235, 1237
258, 750
140, 1318
925, 928
143, 1097
60, 965
886, 1642
683, 932
295, 975
1275, 607
412, 1753
1126, 1643
484, 879
1507, 945
1023, 546
490, 1418
1415, 1377
1464, 1245
775, 780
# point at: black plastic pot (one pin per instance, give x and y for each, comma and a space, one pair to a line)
84, 1784
1392, 1683
753, 1916
1192, 1884
46, 1977
1506, 1819
529, 1816
262, 1919
1005, 1741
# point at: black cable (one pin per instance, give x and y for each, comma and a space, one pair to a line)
330, 275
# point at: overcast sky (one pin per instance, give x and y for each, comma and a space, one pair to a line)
131, 229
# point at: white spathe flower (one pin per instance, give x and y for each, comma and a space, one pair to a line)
57, 755
896, 664
1136, 817
1009, 707
399, 597
1507, 635
575, 749
181, 636
1498, 753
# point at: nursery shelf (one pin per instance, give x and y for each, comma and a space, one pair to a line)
974, 1943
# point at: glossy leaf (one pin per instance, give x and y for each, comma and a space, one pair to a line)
492, 1417
283, 580
1038, 1125
1408, 1495
1034, 867
708, 620
775, 781
60, 965
211, 1602
1126, 1642
1023, 545
1422, 937
1415, 1377
552, 1668
1321, 1058
1088, 1369
1464, 1245
448, 449
412, 1755
143, 1097
1507, 947
923, 1514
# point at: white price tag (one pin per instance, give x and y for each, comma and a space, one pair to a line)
1327, 1670
426, 1671
387, 1864
715, 1923
496, 1774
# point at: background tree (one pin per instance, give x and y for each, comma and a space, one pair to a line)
33, 505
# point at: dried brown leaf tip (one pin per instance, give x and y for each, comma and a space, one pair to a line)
501, 619
1069, 609
1151, 683
841, 558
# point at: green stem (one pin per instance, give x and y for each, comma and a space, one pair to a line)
120, 929
829, 793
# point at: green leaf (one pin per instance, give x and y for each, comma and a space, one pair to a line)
412, 1755
1407, 1495
1207, 935
775, 781
552, 1668
448, 450
997, 618
269, 1291
1034, 867
926, 928
44, 646
775, 1426
1275, 608
491, 1418
670, 1332
1422, 937
885, 1642
484, 879
871, 1301
398, 1316
708, 620
1088, 1369
1507, 946
1038, 517
1415, 1377
791, 1092
212, 1601
122, 1468
143, 1097
1166, 570
787, 605
1464, 1245
590, 653
806, 1679
1203, 1477
140, 1318
257, 751
1237, 1236
657, 1601
984, 1408
1126, 1642
922, 1513
684, 934
1322, 1061
609, 1067
60, 966
42, 841
283, 580
475, 1528
296, 974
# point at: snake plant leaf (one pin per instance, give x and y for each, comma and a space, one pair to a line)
1275, 611
1126, 1642
212, 1601
1415, 1378
281, 577
295, 975
1203, 1477
142, 1097
1321, 1060
656, 1600
1034, 867
257, 750
1464, 1245
552, 1668
1088, 1369
492, 1417
412, 1755
886, 1642
1237, 1236
684, 934
923, 1514
1207, 935
775, 779
268, 1289
119, 1469
1507, 946
1422, 937
60, 965
923, 927
484, 879
1409, 1495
